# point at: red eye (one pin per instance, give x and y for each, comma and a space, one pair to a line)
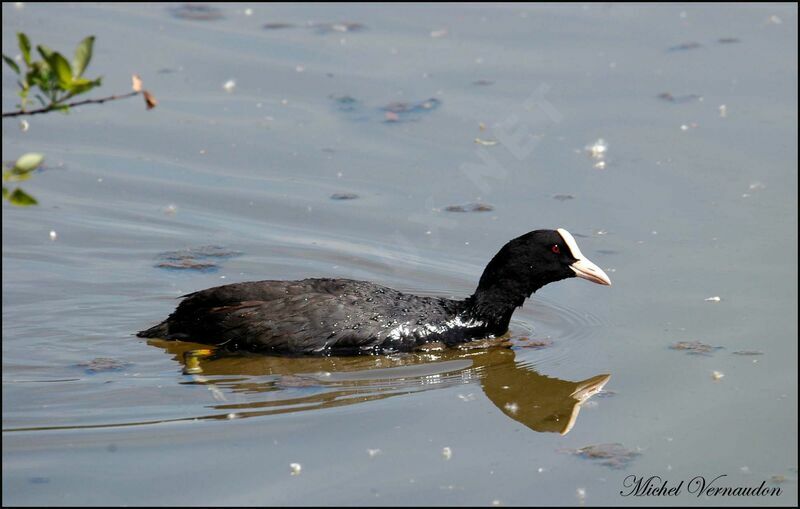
555, 249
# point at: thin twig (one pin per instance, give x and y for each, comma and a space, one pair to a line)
47, 109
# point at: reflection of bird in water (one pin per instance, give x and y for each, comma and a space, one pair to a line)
272, 385
539, 402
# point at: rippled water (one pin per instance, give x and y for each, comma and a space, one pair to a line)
687, 201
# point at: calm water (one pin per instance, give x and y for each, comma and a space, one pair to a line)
690, 200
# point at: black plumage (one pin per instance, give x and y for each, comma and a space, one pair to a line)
344, 317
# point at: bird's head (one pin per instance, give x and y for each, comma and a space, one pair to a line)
529, 262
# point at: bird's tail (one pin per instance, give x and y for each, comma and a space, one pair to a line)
158, 331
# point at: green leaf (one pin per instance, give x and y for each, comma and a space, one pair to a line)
81, 85
41, 82
62, 69
44, 51
15, 176
5, 192
21, 198
24, 47
40, 76
29, 162
11, 63
83, 54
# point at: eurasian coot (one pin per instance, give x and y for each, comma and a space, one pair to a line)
347, 317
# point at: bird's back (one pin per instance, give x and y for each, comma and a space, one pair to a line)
308, 316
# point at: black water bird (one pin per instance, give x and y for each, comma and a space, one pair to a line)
347, 317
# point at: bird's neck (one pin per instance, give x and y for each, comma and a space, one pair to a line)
494, 304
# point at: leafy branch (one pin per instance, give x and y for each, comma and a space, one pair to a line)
57, 80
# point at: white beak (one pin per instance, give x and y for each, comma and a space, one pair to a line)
587, 270
583, 268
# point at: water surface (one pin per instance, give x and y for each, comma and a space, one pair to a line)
689, 201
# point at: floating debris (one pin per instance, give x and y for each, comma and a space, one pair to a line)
344, 196
391, 113
24, 125
277, 26
405, 107
169, 70
723, 111
295, 468
483, 83
775, 20
612, 455
373, 452
53, 235
681, 99
171, 209
605, 394
715, 298
205, 251
535, 344
685, 46
512, 407
438, 34
717, 375
748, 352
229, 85
190, 259
101, 364
486, 143
345, 102
470, 207
196, 12
695, 347
447, 453
189, 265
331, 27
777, 479
729, 40
563, 197
598, 149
